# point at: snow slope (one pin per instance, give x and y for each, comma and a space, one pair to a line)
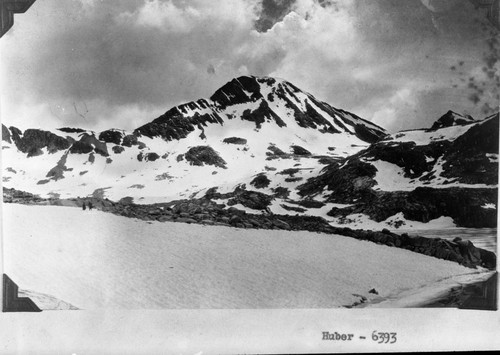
95, 260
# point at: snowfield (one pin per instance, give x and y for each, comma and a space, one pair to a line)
96, 260
424, 137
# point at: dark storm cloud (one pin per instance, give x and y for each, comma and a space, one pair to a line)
272, 11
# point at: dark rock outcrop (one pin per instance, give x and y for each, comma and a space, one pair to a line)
347, 182
262, 114
466, 160
293, 208
201, 155
71, 130
423, 204
57, 172
117, 149
281, 192
6, 134
235, 140
236, 92
33, 140
311, 118
173, 125
151, 156
251, 199
111, 136
289, 171
81, 148
89, 143
407, 155
364, 130
260, 181
298, 150
18, 196
130, 140
275, 153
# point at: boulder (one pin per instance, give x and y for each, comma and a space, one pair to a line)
281, 224
235, 211
235, 220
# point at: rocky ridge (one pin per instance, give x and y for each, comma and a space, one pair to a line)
207, 212
442, 177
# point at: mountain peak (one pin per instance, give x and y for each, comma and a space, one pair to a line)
247, 88
452, 118
265, 101
237, 91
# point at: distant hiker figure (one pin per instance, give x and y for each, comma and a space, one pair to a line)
90, 206
83, 206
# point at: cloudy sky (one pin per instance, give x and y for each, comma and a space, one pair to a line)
101, 63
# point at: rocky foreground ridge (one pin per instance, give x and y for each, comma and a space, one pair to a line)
207, 212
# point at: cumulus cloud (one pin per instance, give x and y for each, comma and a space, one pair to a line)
385, 60
99, 64
147, 55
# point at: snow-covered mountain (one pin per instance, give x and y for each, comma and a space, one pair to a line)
293, 153
261, 101
249, 126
